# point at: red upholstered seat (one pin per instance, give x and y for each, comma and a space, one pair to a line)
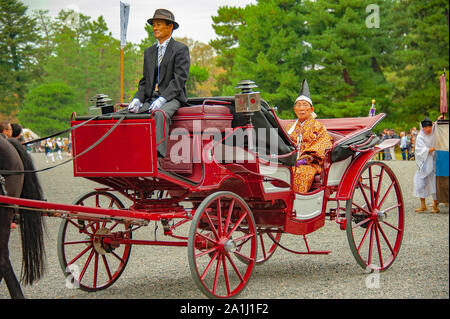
193, 119
202, 109
202, 117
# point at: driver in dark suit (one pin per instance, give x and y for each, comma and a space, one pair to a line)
166, 69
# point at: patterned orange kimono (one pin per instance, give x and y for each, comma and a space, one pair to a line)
312, 140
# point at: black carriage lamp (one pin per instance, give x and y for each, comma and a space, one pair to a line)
103, 102
247, 101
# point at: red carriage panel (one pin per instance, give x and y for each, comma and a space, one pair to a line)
129, 150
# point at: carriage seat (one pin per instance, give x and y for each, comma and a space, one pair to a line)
202, 117
193, 119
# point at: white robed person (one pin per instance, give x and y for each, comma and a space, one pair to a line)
425, 177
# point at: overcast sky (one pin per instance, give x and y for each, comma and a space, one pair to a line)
194, 16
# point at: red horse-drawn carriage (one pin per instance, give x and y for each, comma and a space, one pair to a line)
237, 198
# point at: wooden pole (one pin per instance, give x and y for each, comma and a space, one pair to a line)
121, 75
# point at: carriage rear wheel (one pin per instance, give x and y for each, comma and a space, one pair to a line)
222, 223
375, 217
266, 245
87, 262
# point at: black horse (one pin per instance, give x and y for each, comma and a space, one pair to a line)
14, 158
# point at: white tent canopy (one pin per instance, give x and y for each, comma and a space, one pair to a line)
29, 134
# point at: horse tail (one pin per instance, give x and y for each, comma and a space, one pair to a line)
32, 224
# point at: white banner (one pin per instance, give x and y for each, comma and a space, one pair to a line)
124, 13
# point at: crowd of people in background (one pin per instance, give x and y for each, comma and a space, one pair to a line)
407, 143
52, 147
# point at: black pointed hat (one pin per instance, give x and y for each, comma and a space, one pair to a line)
304, 94
426, 122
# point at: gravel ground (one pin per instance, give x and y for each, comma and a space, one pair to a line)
420, 271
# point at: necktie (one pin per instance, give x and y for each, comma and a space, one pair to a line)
160, 55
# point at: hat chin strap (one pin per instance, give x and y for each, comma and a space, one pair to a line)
304, 98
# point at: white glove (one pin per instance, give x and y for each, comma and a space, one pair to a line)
135, 105
158, 103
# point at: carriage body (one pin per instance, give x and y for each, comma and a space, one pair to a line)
237, 200
199, 163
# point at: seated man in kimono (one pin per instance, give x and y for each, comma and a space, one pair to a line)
312, 141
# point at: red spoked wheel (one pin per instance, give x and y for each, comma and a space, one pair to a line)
375, 217
87, 262
222, 223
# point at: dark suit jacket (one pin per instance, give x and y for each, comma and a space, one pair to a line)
173, 73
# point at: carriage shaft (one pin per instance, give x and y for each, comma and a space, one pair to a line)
125, 241
92, 211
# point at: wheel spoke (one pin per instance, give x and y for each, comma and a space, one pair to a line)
122, 261
207, 238
205, 272
94, 284
378, 245
237, 224
386, 240
364, 195
83, 230
216, 275
225, 274
361, 223
246, 238
377, 195
77, 242
243, 256
108, 271
114, 226
391, 208
363, 238
219, 218
362, 208
80, 254
392, 226
235, 268
369, 257
261, 239
229, 213
88, 261
385, 195
372, 198
206, 252
210, 223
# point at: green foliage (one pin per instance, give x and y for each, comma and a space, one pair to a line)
48, 108
278, 43
17, 53
197, 75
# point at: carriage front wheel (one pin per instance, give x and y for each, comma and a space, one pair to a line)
222, 233
87, 262
375, 217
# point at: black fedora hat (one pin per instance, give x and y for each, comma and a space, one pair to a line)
164, 14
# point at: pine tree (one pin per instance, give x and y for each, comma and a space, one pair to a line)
421, 55
17, 35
